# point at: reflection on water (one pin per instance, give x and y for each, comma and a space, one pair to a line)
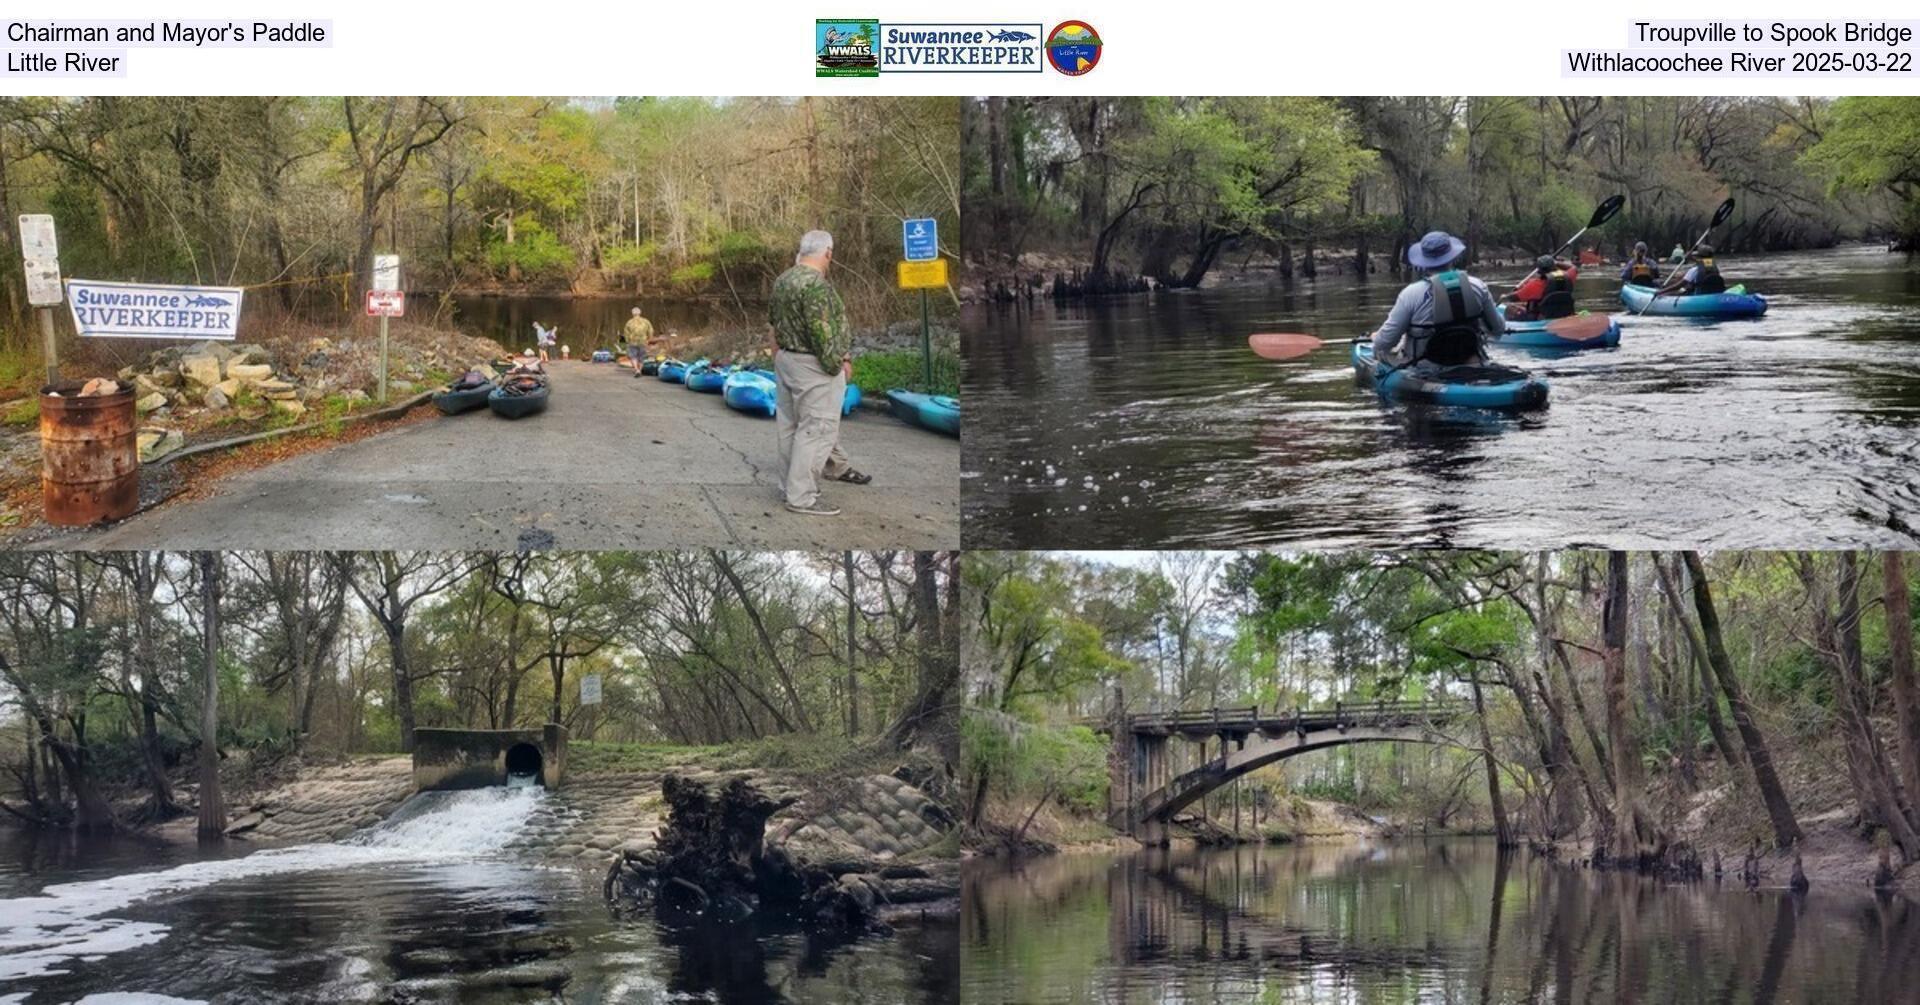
1146, 422
434, 906
1441, 922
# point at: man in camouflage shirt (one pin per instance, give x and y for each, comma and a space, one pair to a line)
811, 367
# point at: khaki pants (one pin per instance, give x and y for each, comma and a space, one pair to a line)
807, 405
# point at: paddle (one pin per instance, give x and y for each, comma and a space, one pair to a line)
1719, 217
1282, 346
1601, 214
1579, 328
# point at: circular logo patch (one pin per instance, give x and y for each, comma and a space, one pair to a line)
1073, 47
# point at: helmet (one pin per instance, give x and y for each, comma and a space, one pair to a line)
1544, 263
1639, 247
636, 312
1703, 251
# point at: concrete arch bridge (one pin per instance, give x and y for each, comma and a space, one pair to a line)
1145, 794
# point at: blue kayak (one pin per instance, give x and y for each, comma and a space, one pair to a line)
1731, 304
1581, 331
753, 391
603, 355
672, 371
934, 411
707, 378
749, 391
1469, 386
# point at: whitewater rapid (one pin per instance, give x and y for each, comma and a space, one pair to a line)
44, 934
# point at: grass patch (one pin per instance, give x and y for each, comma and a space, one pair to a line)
798, 752
879, 372
589, 757
22, 413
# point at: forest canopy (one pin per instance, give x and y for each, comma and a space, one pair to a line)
104, 660
671, 197
1613, 687
1162, 187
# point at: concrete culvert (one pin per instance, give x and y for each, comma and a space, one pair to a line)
523, 762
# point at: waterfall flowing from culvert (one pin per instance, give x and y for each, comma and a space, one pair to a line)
46, 934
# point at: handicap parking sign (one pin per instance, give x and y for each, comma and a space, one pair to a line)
922, 239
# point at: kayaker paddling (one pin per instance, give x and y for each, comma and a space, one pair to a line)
1547, 293
1442, 320
1702, 277
1640, 269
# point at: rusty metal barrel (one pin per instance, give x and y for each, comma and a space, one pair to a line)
89, 455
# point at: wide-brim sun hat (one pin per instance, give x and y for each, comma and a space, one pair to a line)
1436, 249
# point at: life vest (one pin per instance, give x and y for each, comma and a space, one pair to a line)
1452, 337
1557, 300
1707, 279
1640, 273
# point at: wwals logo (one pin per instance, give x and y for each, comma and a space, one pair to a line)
846, 48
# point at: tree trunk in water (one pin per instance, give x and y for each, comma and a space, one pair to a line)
1502, 832
1906, 691
1840, 635
1786, 830
1635, 839
213, 804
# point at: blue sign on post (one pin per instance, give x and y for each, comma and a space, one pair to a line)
922, 239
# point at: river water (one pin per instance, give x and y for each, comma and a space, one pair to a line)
1139, 422
1405, 922
431, 906
586, 323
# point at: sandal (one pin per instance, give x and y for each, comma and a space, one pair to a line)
855, 477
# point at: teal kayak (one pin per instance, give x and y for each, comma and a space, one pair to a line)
934, 411
1581, 331
1735, 303
1497, 387
706, 378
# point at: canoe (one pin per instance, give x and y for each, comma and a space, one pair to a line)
934, 411
1497, 387
749, 391
453, 401
1730, 304
672, 371
706, 378
509, 404
1581, 331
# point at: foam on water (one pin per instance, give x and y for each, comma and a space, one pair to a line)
43, 934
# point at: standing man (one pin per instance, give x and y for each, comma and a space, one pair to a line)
639, 332
811, 363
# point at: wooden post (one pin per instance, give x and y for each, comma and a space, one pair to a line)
50, 345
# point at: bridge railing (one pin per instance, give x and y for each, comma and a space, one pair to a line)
1247, 718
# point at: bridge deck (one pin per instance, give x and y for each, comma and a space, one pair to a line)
1250, 719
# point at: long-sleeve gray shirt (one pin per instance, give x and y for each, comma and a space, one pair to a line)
1414, 306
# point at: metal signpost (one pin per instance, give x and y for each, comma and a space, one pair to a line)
41, 253
386, 279
923, 269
